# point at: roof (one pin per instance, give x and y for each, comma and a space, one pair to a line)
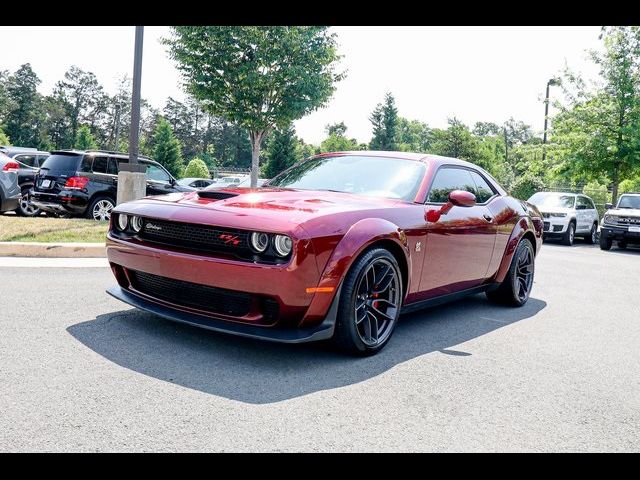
73, 151
419, 157
11, 149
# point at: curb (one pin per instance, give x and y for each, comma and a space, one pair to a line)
52, 250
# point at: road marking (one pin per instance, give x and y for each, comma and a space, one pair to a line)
33, 262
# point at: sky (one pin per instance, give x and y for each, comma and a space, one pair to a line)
473, 73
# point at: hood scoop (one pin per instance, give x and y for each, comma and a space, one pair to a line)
214, 195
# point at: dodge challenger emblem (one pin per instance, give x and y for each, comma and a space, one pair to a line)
418, 246
152, 226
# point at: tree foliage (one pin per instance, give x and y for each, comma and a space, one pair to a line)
526, 185
196, 168
167, 151
281, 151
257, 77
384, 119
4, 139
84, 139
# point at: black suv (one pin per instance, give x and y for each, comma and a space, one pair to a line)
29, 160
79, 183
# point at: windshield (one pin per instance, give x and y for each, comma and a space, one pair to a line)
629, 201
541, 199
362, 175
62, 163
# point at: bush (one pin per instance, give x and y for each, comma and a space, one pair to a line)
598, 193
526, 185
196, 169
629, 185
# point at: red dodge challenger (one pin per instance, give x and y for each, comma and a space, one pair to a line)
335, 247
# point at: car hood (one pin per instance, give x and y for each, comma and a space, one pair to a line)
264, 209
624, 212
545, 209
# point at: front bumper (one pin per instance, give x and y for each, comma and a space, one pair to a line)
619, 234
555, 226
322, 331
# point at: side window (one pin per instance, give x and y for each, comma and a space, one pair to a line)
591, 204
100, 164
157, 174
582, 203
484, 191
28, 160
41, 159
447, 180
112, 167
85, 166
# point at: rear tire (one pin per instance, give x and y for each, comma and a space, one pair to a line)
100, 209
25, 209
516, 286
370, 303
605, 242
570, 235
591, 238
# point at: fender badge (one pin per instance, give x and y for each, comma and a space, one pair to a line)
418, 246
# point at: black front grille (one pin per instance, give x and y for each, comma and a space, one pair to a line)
197, 237
194, 295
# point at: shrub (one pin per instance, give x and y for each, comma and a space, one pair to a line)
196, 169
526, 185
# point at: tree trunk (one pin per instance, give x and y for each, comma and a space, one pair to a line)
615, 181
256, 140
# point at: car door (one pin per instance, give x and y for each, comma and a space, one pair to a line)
460, 243
27, 170
583, 216
591, 213
158, 180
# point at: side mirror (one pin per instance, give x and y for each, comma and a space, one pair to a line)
460, 198
608, 206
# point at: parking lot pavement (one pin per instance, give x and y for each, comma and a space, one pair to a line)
82, 371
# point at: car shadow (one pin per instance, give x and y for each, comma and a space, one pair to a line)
260, 372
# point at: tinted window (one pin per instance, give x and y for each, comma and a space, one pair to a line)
28, 160
112, 167
483, 190
157, 174
447, 180
629, 201
85, 166
361, 175
100, 164
583, 204
41, 159
62, 163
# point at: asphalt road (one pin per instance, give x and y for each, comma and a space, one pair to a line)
81, 371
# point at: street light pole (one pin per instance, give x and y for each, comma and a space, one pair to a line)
131, 176
552, 81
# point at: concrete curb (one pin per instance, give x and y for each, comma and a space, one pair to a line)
52, 250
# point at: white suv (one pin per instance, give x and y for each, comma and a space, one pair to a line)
567, 215
621, 223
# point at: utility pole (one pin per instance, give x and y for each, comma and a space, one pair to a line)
131, 177
552, 81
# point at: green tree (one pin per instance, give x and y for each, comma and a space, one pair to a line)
84, 139
4, 139
337, 140
339, 129
413, 136
456, 141
281, 152
21, 118
167, 151
526, 185
384, 119
598, 193
630, 185
599, 130
257, 77
196, 168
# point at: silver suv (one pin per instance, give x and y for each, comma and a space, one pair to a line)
621, 223
9, 190
567, 215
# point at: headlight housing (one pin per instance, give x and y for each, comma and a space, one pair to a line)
122, 222
259, 241
608, 219
136, 223
283, 245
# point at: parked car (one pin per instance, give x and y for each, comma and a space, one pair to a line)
567, 215
621, 223
84, 183
197, 183
244, 182
333, 247
29, 160
9, 188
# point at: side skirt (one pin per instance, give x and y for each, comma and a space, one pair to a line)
432, 302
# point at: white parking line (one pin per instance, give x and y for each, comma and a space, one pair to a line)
33, 262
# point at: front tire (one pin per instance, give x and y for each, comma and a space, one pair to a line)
100, 209
516, 287
591, 238
370, 303
569, 235
605, 242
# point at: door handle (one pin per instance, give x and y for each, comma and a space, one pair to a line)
487, 217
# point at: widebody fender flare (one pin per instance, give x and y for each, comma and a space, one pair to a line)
524, 226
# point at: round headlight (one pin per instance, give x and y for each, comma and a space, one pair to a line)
259, 241
122, 222
136, 223
283, 245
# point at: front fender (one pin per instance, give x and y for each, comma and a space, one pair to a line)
524, 226
358, 238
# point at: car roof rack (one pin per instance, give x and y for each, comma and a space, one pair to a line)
108, 152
